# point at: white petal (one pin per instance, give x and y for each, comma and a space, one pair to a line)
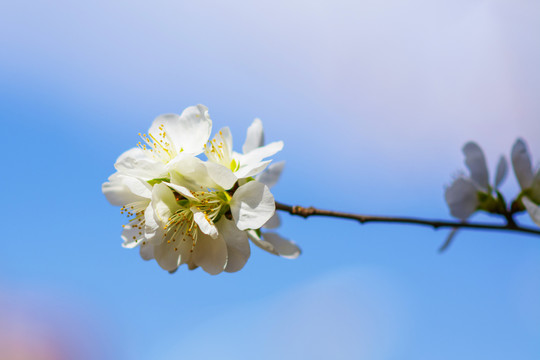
188, 132
521, 162
238, 250
272, 174
189, 167
222, 176
252, 205
166, 256
254, 137
282, 246
476, 162
261, 153
132, 236
224, 136
256, 239
119, 190
164, 203
221, 149
152, 229
210, 254
136, 162
462, 198
532, 209
205, 225
203, 173
274, 222
146, 251
129, 235
251, 169
138, 187
502, 170
182, 190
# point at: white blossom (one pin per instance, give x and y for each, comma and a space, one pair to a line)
169, 136
468, 194
185, 210
220, 151
133, 195
529, 179
191, 227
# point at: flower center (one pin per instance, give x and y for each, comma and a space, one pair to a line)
135, 213
158, 146
218, 151
181, 225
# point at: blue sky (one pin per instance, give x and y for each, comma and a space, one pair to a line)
373, 100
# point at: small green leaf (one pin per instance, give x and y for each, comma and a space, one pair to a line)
157, 181
235, 165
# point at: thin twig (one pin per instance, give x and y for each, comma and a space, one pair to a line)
436, 224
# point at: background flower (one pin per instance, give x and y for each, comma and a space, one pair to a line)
466, 195
529, 180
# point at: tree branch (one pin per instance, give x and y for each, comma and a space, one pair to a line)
436, 224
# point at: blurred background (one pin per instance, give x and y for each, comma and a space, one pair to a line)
373, 99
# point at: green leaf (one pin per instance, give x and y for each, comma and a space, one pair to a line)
157, 181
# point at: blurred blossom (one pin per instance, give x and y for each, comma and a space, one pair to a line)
529, 181
466, 195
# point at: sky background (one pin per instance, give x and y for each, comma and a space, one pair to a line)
373, 99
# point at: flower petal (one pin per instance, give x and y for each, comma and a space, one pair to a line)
136, 162
254, 136
222, 176
138, 187
153, 231
203, 173
272, 174
521, 161
146, 251
285, 248
131, 236
260, 153
252, 205
532, 209
238, 250
462, 198
167, 255
502, 170
117, 192
182, 190
265, 245
204, 223
274, 222
163, 203
221, 148
251, 169
476, 162
210, 254
188, 132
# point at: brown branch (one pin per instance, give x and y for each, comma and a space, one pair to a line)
436, 224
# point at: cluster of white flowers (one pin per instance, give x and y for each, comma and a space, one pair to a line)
468, 194
185, 210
